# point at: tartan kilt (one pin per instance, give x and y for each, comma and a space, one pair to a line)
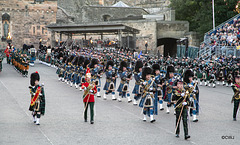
120, 87
199, 75
106, 86
136, 89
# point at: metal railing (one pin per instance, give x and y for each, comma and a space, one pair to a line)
217, 51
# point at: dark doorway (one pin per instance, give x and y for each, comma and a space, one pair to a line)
128, 42
170, 46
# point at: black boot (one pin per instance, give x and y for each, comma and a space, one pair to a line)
187, 137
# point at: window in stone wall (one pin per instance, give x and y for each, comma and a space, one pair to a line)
38, 27
43, 31
106, 17
33, 30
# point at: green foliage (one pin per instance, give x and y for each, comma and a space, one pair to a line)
199, 13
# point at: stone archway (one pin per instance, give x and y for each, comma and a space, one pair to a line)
170, 46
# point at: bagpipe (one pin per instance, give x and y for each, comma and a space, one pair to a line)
90, 87
147, 87
149, 97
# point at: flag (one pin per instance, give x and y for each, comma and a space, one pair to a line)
140, 55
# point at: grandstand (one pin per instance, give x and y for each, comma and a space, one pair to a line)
224, 40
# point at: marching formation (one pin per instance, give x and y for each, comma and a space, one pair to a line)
160, 83
157, 80
21, 58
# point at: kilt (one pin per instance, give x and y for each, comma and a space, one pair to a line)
136, 89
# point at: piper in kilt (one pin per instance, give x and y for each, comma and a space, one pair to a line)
148, 98
95, 71
159, 83
110, 84
194, 94
169, 87
124, 83
137, 76
80, 72
37, 105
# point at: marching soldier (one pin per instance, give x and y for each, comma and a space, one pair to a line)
194, 94
80, 73
169, 87
37, 105
159, 83
33, 55
110, 84
124, 83
95, 71
88, 96
236, 96
147, 100
202, 75
74, 72
181, 96
211, 74
24, 64
137, 76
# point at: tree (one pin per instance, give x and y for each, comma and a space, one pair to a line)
199, 13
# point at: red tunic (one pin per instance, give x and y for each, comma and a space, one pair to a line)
91, 99
7, 52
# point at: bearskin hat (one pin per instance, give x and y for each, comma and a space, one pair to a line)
122, 64
80, 60
109, 63
34, 76
86, 63
138, 65
187, 75
146, 71
93, 62
155, 67
170, 69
